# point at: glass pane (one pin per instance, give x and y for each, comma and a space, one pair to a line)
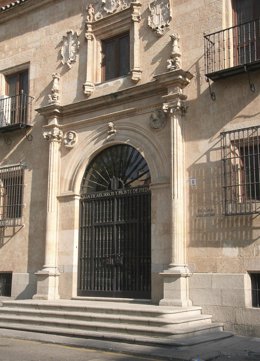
124, 55
110, 60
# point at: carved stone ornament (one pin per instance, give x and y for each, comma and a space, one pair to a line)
176, 106
54, 97
70, 139
111, 130
70, 48
174, 62
88, 88
160, 16
53, 135
101, 8
157, 119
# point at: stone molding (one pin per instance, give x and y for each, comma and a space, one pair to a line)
165, 85
123, 19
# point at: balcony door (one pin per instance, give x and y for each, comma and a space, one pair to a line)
17, 92
246, 14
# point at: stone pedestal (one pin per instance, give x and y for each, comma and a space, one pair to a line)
176, 287
47, 285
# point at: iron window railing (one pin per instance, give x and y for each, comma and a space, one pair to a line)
15, 111
232, 49
241, 170
11, 195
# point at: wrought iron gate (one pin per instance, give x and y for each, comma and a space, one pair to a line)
115, 232
115, 254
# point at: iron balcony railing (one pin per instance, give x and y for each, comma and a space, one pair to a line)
15, 111
232, 50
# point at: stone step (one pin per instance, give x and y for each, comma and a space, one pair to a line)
154, 331
126, 321
183, 318
205, 335
139, 310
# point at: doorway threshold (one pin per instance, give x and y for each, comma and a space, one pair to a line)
113, 299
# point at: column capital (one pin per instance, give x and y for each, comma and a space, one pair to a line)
175, 103
53, 135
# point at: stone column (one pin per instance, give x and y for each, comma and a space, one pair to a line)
47, 278
88, 86
135, 42
175, 278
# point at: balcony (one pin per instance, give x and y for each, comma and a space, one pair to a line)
232, 51
15, 112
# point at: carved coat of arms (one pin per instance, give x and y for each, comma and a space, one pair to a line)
102, 8
70, 48
160, 15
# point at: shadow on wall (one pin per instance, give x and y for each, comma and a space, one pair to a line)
29, 290
209, 226
233, 107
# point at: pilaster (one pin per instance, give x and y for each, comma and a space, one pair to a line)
135, 41
88, 86
176, 277
48, 276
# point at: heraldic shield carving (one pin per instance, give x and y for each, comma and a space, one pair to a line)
70, 48
102, 8
160, 16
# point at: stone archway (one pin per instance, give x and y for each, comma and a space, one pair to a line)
115, 225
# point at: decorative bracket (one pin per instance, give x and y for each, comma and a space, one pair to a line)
251, 85
212, 94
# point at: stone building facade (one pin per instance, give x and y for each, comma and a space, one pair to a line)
129, 153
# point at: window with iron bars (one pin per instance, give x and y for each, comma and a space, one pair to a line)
241, 170
255, 284
11, 195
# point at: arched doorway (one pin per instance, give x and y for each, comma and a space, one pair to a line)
115, 225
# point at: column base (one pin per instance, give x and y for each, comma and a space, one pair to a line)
176, 287
47, 284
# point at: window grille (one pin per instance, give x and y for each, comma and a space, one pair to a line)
11, 195
5, 284
255, 284
241, 170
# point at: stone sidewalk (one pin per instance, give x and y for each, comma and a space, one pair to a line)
236, 348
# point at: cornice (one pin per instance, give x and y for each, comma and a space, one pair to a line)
157, 87
19, 7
